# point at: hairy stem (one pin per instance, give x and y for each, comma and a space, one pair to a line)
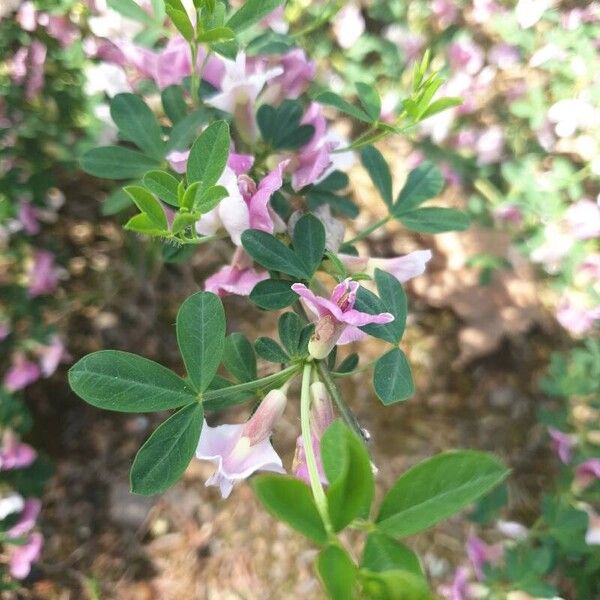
311, 461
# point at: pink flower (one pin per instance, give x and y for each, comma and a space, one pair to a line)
465, 55
562, 444
458, 589
315, 160
490, 146
483, 10
583, 219
509, 213
402, 268
62, 30
28, 217
28, 518
22, 557
298, 72
246, 206
445, 11
14, 454
590, 267
503, 55
27, 16
321, 417
35, 80
22, 373
43, 276
348, 25
239, 278
52, 355
240, 88
338, 320
240, 163
240, 450
587, 472
481, 553
574, 316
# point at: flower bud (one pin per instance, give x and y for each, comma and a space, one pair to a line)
321, 414
260, 425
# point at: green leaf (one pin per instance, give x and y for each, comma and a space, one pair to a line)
338, 572
270, 350
270, 42
201, 337
290, 328
280, 127
184, 132
437, 488
382, 553
348, 364
392, 378
125, 382
166, 454
218, 34
180, 18
367, 301
394, 301
291, 501
173, 101
440, 105
239, 358
143, 224
189, 196
370, 100
115, 202
435, 220
251, 12
116, 162
272, 254
394, 585
209, 155
148, 205
183, 220
309, 242
273, 294
379, 173
348, 468
210, 198
332, 99
137, 123
163, 185
423, 183
131, 10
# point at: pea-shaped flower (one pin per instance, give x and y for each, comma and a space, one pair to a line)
338, 320
240, 450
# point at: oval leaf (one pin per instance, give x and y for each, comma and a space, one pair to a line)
201, 337
166, 454
392, 378
116, 162
423, 183
126, 382
209, 155
437, 488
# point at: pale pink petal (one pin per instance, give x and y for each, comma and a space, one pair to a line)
318, 305
260, 216
358, 319
240, 163
232, 280
351, 334
403, 268
28, 518
23, 556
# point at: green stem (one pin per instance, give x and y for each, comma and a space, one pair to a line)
311, 461
334, 392
369, 230
194, 81
225, 397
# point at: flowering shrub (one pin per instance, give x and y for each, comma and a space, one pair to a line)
241, 149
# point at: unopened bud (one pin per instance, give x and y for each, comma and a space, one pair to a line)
261, 423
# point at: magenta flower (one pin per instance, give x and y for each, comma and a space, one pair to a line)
337, 319
465, 55
22, 373
321, 417
402, 268
22, 557
14, 454
315, 160
27, 519
510, 213
587, 472
43, 275
239, 278
481, 553
28, 218
298, 72
562, 444
240, 450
